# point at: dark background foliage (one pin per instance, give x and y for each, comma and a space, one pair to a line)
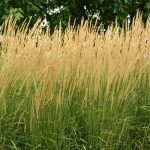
106, 10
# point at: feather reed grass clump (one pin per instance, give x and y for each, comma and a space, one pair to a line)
77, 89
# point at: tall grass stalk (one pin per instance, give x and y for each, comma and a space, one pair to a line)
77, 89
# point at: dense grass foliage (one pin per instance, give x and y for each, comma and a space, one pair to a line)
77, 90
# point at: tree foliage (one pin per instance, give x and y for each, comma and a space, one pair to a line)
106, 11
